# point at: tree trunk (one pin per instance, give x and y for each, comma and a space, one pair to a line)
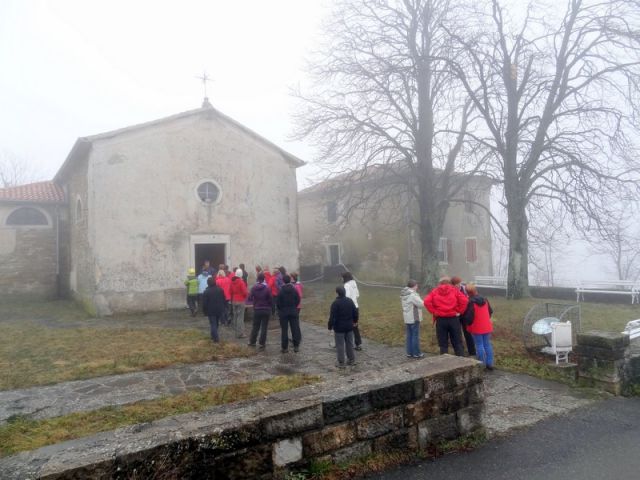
429, 261
518, 271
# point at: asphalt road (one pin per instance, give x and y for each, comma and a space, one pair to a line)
599, 442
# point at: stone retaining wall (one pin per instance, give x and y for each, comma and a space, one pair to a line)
608, 360
407, 407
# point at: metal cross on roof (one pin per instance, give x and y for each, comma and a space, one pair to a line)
204, 79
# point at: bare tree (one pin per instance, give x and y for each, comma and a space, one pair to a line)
388, 115
15, 170
558, 95
618, 238
548, 235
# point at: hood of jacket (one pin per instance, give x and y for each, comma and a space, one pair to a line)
478, 300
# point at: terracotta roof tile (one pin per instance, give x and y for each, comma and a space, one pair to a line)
39, 192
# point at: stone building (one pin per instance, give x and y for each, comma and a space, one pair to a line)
381, 244
30, 233
146, 202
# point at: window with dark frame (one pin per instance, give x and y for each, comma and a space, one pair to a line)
27, 216
332, 212
445, 250
208, 192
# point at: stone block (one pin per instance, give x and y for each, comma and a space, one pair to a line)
444, 427
452, 379
287, 451
607, 370
396, 394
346, 408
246, 463
469, 419
451, 402
414, 413
614, 387
328, 439
403, 439
601, 339
599, 352
352, 452
379, 423
293, 422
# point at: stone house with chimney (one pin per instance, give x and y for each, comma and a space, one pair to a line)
130, 210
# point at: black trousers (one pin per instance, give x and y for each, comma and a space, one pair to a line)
468, 339
449, 328
192, 302
356, 332
260, 324
290, 320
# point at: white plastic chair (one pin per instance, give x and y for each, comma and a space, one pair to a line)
561, 341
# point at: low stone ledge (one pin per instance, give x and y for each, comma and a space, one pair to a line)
602, 339
403, 407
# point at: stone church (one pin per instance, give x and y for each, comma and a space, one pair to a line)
131, 210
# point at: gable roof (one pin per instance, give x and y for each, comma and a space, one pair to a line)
39, 192
83, 145
383, 174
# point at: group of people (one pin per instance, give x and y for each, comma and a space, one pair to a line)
458, 312
224, 296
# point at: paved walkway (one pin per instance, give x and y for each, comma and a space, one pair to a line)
512, 400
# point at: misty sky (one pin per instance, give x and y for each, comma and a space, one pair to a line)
73, 68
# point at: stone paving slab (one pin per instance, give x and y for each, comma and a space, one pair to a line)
515, 401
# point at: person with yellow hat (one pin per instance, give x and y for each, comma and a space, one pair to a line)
192, 291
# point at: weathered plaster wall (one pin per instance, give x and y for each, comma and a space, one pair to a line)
143, 207
408, 407
28, 255
77, 256
379, 244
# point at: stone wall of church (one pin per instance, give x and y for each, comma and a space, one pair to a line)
28, 256
76, 252
144, 211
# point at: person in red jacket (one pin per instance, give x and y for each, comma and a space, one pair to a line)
238, 297
224, 283
446, 303
477, 318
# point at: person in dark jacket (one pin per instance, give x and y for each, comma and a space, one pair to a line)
260, 296
342, 318
446, 303
287, 303
468, 338
213, 306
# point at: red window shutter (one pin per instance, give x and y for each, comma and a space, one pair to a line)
449, 250
472, 255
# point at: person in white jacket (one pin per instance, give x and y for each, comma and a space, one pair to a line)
412, 306
351, 287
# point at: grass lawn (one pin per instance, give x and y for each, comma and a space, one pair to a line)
381, 320
21, 434
51, 342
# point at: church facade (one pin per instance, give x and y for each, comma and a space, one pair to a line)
145, 203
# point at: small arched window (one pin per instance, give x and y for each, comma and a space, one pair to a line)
78, 210
27, 216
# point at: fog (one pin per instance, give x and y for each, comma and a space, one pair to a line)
72, 68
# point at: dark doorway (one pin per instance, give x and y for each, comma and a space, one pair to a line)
214, 252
